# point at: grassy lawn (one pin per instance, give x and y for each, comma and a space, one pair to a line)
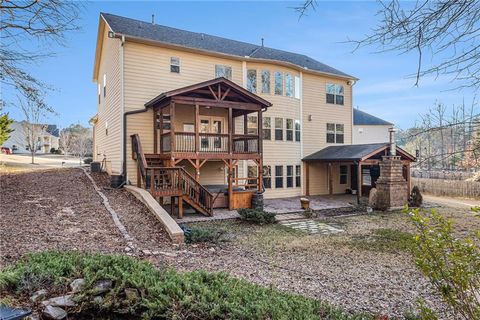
369, 266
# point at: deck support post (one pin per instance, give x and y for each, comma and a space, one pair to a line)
409, 179
180, 207
172, 127
161, 130
230, 184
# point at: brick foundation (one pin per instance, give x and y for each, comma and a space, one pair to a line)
392, 188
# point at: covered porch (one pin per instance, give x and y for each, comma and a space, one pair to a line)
351, 169
204, 130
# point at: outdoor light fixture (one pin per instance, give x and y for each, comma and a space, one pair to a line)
111, 34
309, 117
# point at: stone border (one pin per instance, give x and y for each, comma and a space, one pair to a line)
173, 229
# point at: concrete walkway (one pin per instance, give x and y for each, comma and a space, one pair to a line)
450, 202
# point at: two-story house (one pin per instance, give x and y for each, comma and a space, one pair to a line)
209, 121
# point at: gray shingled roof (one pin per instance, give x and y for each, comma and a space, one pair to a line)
365, 119
345, 152
201, 41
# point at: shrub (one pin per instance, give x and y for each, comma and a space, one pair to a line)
206, 235
87, 160
451, 264
166, 294
257, 216
53, 150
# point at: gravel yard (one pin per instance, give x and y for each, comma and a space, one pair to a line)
354, 269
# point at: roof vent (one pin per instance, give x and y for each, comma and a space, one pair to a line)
153, 19
262, 42
203, 36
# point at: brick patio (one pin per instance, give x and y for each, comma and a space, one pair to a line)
284, 206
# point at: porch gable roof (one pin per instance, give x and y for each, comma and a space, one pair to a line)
229, 92
354, 152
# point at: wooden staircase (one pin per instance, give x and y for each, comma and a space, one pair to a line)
163, 181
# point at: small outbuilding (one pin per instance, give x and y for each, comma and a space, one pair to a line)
350, 168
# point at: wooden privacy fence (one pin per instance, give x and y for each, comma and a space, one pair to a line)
449, 188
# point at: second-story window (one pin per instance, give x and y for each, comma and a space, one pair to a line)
278, 83
334, 93
279, 129
335, 133
175, 64
289, 130
223, 71
265, 81
252, 80
104, 85
99, 92
267, 128
297, 130
252, 127
288, 85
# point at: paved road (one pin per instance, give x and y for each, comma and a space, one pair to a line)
451, 202
20, 162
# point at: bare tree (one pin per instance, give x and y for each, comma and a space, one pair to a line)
81, 140
66, 141
444, 27
44, 21
35, 114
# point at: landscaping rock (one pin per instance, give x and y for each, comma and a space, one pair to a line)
102, 286
131, 294
33, 316
63, 301
38, 295
168, 254
98, 299
56, 313
77, 285
147, 252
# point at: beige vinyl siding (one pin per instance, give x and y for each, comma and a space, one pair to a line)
147, 72
316, 114
212, 172
109, 109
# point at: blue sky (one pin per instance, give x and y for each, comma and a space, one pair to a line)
384, 88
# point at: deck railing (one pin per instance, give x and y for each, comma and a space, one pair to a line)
209, 143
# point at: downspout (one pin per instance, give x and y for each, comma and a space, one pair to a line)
122, 101
303, 188
244, 85
124, 145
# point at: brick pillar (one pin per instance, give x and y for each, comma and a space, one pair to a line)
392, 189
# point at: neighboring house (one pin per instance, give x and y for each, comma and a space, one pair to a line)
369, 129
226, 118
18, 139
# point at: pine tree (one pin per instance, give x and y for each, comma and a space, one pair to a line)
5, 129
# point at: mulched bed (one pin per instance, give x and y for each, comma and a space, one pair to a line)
147, 232
53, 209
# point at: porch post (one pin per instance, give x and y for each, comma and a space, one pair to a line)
155, 131
330, 179
307, 179
161, 130
172, 128
260, 132
409, 179
231, 128
197, 128
359, 181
